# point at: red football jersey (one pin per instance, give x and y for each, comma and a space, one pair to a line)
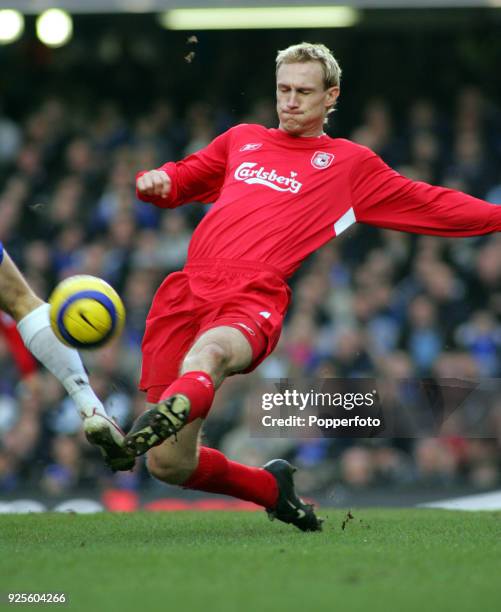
25, 361
277, 198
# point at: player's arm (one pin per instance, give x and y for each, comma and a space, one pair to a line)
384, 198
199, 177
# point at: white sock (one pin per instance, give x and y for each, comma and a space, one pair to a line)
63, 361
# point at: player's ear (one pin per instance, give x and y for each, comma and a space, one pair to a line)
332, 94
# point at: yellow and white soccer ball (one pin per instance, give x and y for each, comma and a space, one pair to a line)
86, 312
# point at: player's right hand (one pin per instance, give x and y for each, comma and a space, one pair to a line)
154, 183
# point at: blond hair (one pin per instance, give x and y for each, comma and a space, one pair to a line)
309, 52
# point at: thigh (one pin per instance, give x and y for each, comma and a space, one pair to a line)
171, 328
256, 311
16, 297
168, 343
257, 331
233, 343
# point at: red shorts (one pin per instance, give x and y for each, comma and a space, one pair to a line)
251, 297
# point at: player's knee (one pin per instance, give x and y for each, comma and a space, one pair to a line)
172, 471
213, 356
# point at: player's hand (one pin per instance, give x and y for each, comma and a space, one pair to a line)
154, 183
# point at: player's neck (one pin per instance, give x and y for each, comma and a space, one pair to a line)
313, 133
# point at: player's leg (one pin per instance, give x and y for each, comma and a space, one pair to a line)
183, 461
174, 461
32, 317
217, 353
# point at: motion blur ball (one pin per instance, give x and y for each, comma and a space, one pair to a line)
86, 312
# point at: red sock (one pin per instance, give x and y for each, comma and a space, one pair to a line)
217, 474
198, 388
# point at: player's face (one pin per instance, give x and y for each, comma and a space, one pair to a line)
302, 100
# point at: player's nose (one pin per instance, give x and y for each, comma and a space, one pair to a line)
292, 101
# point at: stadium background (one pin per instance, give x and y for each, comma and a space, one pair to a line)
76, 123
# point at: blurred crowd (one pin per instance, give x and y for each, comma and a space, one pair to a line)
371, 303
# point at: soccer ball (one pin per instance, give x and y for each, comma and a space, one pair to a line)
86, 312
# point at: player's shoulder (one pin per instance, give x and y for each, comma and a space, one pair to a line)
244, 129
352, 148
248, 135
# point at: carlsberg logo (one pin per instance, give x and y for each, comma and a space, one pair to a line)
259, 176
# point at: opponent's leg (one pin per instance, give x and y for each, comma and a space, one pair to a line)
32, 316
16, 297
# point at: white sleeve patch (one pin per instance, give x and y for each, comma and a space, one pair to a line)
344, 221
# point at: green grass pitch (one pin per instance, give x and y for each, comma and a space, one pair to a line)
383, 560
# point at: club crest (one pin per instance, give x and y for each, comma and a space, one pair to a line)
321, 160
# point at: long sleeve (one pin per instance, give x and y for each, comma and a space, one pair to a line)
197, 178
384, 198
